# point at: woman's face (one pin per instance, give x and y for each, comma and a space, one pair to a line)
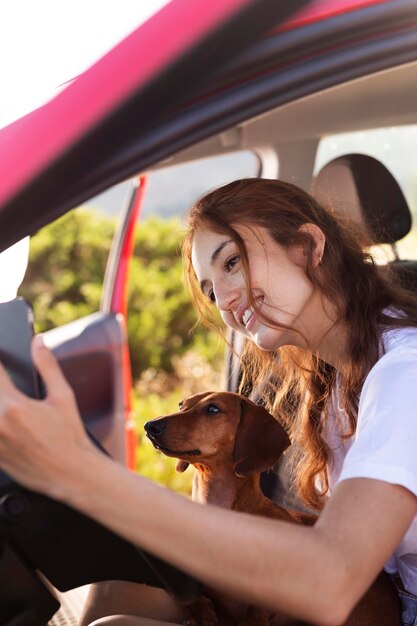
278, 280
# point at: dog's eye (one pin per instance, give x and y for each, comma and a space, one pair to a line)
212, 408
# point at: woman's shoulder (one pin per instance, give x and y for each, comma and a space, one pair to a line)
399, 339
397, 363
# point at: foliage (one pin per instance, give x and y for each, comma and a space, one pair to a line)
163, 328
65, 276
66, 268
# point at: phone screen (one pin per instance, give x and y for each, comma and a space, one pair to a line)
16, 332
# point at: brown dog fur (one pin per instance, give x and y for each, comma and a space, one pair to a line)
230, 440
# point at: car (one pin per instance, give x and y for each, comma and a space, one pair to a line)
322, 94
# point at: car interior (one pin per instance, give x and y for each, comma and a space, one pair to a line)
286, 139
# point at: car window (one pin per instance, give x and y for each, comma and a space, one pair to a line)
392, 146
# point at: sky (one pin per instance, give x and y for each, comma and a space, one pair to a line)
44, 43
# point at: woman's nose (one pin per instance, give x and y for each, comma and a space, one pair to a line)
226, 296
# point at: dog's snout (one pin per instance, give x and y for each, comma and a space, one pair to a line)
155, 427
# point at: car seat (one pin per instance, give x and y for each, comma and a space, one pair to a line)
362, 188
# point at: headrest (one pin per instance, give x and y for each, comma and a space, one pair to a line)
360, 186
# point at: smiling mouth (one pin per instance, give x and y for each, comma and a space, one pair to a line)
172, 452
249, 312
246, 316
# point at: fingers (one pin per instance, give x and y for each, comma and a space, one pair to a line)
47, 366
49, 369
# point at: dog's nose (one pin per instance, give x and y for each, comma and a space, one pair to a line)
155, 427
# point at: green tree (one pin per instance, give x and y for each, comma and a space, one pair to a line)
65, 276
161, 315
66, 267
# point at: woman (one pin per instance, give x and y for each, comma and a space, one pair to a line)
332, 347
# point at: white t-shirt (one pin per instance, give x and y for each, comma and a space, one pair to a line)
384, 446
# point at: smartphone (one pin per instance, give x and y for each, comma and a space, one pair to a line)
16, 332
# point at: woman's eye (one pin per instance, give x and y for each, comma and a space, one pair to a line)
231, 262
212, 408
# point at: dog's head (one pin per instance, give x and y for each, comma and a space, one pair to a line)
215, 427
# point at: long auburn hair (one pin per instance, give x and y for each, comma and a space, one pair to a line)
295, 384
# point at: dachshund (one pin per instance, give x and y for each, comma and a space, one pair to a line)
230, 440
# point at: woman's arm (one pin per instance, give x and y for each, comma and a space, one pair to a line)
315, 573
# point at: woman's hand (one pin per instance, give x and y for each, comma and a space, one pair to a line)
41, 441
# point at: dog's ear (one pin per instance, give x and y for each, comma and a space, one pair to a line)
181, 466
260, 440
